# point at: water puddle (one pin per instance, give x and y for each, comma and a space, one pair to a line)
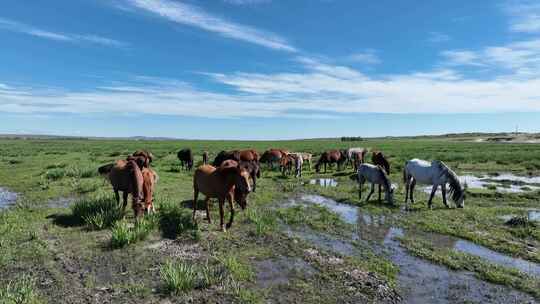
61, 202
274, 272
534, 215
7, 198
324, 182
419, 280
504, 183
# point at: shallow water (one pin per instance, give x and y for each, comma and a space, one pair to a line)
533, 215
504, 183
419, 280
7, 198
324, 182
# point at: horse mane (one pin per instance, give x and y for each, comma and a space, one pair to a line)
455, 190
385, 178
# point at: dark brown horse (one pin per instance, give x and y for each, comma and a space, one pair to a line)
227, 182
186, 158
254, 170
377, 158
126, 176
226, 155
330, 157
273, 155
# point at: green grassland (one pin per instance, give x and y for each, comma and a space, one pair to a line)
51, 253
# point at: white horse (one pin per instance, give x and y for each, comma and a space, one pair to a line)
435, 173
375, 175
306, 158
351, 153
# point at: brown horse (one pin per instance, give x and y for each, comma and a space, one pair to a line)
377, 158
273, 155
227, 182
150, 179
254, 170
330, 157
226, 155
249, 155
126, 176
286, 163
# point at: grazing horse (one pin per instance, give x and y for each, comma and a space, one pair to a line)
377, 158
186, 158
285, 164
330, 157
150, 178
356, 160
435, 173
254, 170
227, 182
351, 153
375, 175
126, 176
226, 155
205, 158
298, 163
273, 155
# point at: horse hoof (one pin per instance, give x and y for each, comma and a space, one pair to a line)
228, 225
223, 229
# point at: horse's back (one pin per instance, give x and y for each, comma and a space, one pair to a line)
423, 171
204, 180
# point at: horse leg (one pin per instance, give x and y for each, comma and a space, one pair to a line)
221, 203
370, 192
207, 204
380, 193
124, 197
433, 190
361, 184
443, 190
413, 184
231, 207
195, 196
117, 196
407, 185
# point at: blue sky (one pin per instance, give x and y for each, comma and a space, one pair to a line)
268, 69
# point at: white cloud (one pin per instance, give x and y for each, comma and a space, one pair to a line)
519, 59
524, 15
18, 27
366, 57
191, 15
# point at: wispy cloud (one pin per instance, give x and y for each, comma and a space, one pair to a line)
194, 16
516, 59
19, 27
524, 15
367, 57
438, 37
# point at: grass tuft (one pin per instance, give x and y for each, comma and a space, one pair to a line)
175, 220
123, 234
20, 291
97, 212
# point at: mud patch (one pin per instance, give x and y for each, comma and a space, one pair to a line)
279, 271
7, 198
177, 249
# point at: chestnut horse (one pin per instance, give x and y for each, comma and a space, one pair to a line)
330, 157
227, 182
150, 178
237, 155
377, 158
351, 152
126, 176
254, 170
273, 155
249, 155
285, 164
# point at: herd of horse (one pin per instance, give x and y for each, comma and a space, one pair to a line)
233, 175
